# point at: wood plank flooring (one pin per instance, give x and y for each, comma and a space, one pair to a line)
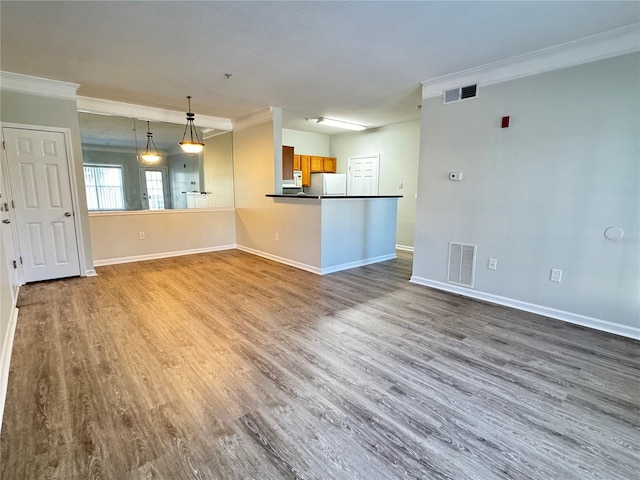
229, 366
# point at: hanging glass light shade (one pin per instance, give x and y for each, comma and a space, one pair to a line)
191, 144
150, 155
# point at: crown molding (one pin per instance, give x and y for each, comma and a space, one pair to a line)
17, 82
152, 114
612, 43
260, 116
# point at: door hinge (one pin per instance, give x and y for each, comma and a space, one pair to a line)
15, 265
3, 145
13, 205
20, 260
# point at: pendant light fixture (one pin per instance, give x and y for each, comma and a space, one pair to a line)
149, 155
190, 145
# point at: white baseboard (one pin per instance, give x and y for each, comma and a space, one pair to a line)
405, 248
155, 256
582, 320
90, 273
275, 258
316, 270
5, 358
358, 263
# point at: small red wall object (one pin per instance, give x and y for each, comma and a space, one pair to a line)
505, 122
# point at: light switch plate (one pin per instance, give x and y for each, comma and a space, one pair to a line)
556, 275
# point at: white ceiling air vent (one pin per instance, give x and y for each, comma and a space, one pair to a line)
462, 264
460, 93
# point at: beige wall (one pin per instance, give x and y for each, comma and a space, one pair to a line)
26, 109
258, 218
115, 236
399, 148
218, 170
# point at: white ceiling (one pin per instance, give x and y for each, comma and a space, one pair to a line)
360, 61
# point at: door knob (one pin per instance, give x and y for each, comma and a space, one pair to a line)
67, 214
6, 220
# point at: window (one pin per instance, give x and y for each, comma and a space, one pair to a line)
104, 186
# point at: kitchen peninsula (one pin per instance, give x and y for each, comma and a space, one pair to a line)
354, 230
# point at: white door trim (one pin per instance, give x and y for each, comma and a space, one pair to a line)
80, 240
15, 276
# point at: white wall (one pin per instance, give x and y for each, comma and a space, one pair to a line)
8, 320
307, 143
398, 146
540, 194
115, 235
6, 300
185, 173
356, 231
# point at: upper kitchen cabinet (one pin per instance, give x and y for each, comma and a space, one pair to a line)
305, 164
313, 164
317, 164
329, 165
323, 164
297, 163
287, 163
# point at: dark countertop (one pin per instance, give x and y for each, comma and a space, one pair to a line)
323, 197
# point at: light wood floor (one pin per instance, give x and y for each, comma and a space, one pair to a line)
228, 366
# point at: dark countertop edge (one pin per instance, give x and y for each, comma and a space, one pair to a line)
325, 197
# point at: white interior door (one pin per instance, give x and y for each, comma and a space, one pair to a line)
8, 237
41, 191
363, 175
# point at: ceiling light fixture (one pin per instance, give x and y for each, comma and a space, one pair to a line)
340, 124
191, 146
149, 155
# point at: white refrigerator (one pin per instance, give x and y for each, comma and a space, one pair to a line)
328, 184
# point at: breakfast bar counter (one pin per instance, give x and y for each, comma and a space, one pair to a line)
354, 230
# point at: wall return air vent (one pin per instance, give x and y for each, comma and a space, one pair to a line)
462, 264
460, 93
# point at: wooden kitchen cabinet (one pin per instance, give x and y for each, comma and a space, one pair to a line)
287, 163
313, 164
305, 166
297, 164
317, 164
329, 165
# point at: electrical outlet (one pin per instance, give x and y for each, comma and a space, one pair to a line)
277, 237
556, 275
141, 235
493, 264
